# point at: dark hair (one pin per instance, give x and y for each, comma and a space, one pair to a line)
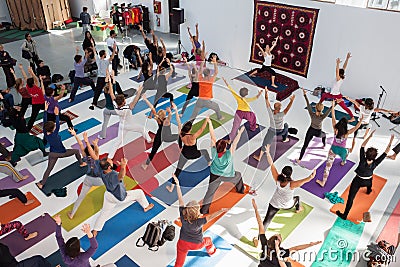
186, 128
84, 9
40, 61
102, 53
243, 91
369, 103
27, 34
48, 91
49, 126
77, 58
286, 175
159, 50
30, 82
271, 244
112, 32
119, 99
371, 153
86, 150
341, 73
104, 164
73, 247
221, 145
341, 127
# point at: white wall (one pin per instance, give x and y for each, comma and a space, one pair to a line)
371, 35
4, 14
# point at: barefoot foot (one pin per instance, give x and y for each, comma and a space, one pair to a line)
70, 216
149, 207
321, 183
274, 85
352, 119
30, 201
83, 164
170, 188
144, 166
24, 177
31, 235
256, 157
300, 209
39, 185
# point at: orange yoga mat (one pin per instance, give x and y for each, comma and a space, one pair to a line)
391, 228
295, 263
362, 202
14, 208
225, 197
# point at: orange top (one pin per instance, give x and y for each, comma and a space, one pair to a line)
205, 87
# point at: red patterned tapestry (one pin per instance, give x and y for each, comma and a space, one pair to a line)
295, 27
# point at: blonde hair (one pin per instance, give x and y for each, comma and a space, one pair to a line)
319, 107
191, 212
161, 114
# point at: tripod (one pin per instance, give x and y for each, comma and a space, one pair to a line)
374, 115
180, 47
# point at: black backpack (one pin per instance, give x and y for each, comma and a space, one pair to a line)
154, 236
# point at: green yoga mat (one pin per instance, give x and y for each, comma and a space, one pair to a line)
92, 203
340, 244
185, 89
216, 123
284, 222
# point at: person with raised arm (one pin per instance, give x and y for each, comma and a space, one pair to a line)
22, 90
193, 74
273, 255
37, 94
162, 82
267, 61
276, 125
339, 143
191, 234
109, 108
369, 160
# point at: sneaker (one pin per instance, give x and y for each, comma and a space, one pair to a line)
286, 140
100, 137
91, 107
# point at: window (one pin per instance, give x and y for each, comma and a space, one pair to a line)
392, 5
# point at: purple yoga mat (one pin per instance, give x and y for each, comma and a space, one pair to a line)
112, 133
247, 135
9, 183
336, 174
44, 225
6, 142
315, 154
278, 148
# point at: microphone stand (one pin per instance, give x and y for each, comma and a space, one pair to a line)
374, 116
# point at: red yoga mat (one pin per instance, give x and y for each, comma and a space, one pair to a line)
14, 208
133, 149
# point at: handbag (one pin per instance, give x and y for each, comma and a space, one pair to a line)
26, 54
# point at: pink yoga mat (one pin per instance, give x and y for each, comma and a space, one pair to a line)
335, 176
6, 142
278, 148
44, 225
9, 183
389, 232
112, 133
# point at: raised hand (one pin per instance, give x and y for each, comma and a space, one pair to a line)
95, 142
56, 111
72, 131
292, 97
85, 137
348, 55
174, 106
57, 218
123, 162
46, 105
86, 228
168, 109
338, 61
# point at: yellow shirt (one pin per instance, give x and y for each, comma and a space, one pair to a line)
243, 102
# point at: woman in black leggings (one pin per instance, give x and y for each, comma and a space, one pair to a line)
189, 149
364, 172
162, 82
164, 133
193, 74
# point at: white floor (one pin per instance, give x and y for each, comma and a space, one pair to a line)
237, 221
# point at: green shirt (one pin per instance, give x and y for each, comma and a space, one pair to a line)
222, 166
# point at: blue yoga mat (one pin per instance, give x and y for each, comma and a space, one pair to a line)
141, 77
189, 178
200, 258
178, 101
141, 105
125, 261
170, 80
338, 114
78, 99
56, 259
80, 127
247, 135
188, 111
261, 82
121, 226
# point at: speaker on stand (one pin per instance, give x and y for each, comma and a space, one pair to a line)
177, 18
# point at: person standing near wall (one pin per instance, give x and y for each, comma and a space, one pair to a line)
29, 51
86, 20
112, 45
6, 62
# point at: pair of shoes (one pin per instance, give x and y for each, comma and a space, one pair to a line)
91, 107
13, 163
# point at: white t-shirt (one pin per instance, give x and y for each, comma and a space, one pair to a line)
268, 60
125, 116
283, 197
110, 43
366, 113
102, 65
336, 87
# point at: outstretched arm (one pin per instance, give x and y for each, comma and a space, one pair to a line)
337, 69
274, 44
137, 97
142, 32
352, 130
197, 31
201, 130
261, 229
92, 154
309, 108
366, 140
389, 145
267, 103
286, 110
305, 246
21, 68
81, 146
236, 140
299, 183
214, 61
153, 110
171, 70
190, 34
33, 75
122, 171
333, 114
355, 103
178, 191
212, 133
163, 47
348, 56
178, 118
271, 163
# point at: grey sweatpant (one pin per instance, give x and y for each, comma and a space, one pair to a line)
205, 103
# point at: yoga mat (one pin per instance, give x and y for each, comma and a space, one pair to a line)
170, 80
341, 241
64, 177
5, 142
362, 201
162, 160
189, 178
335, 176
80, 127
284, 223
38, 128
225, 197
188, 111
134, 148
338, 114
79, 98
278, 148
260, 82
178, 101
127, 221
112, 133
141, 79
148, 186
13, 209
185, 89
247, 135
36, 157
130, 92
9, 183
44, 225
91, 204
141, 105
314, 155
125, 261
216, 123
56, 259
200, 258
391, 227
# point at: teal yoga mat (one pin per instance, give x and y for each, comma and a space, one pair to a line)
121, 226
340, 244
55, 259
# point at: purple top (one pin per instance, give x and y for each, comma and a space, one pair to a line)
340, 142
52, 104
83, 259
80, 68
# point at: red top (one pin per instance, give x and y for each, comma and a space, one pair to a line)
37, 94
205, 87
24, 92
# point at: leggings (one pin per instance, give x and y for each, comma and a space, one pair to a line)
164, 135
268, 69
53, 157
35, 112
269, 137
4, 151
160, 95
101, 82
81, 81
356, 184
311, 132
331, 158
184, 157
341, 103
396, 149
24, 105
16, 225
272, 211
63, 117
194, 91
183, 247
13, 193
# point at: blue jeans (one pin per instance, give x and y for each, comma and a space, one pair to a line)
269, 137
